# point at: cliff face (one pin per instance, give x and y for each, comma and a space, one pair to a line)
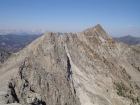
45, 77
85, 68
4, 56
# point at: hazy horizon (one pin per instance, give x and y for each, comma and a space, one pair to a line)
117, 17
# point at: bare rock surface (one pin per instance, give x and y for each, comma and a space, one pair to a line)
86, 68
137, 46
4, 56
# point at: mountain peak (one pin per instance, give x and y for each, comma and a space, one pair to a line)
128, 36
73, 69
97, 27
98, 33
96, 30
130, 40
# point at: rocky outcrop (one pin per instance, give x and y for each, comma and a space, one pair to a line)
136, 47
4, 56
85, 68
47, 84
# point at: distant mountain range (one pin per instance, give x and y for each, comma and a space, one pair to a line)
22, 32
14, 43
130, 40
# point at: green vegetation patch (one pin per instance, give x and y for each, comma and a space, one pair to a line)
125, 91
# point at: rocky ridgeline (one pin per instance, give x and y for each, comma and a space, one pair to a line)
85, 68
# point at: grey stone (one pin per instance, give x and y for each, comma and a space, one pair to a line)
73, 69
4, 56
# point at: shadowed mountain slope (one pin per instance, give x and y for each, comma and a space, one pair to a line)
14, 43
86, 68
4, 56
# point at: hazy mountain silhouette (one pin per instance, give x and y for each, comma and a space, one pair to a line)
130, 40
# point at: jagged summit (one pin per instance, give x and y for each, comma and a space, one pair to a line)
97, 31
95, 28
85, 68
98, 26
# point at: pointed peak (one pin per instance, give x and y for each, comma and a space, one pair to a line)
99, 33
128, 36
95, 30
97, 27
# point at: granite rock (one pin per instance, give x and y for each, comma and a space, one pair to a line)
86, 68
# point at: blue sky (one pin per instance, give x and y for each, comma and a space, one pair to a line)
117, 17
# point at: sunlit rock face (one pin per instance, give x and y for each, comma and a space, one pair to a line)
86, 68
